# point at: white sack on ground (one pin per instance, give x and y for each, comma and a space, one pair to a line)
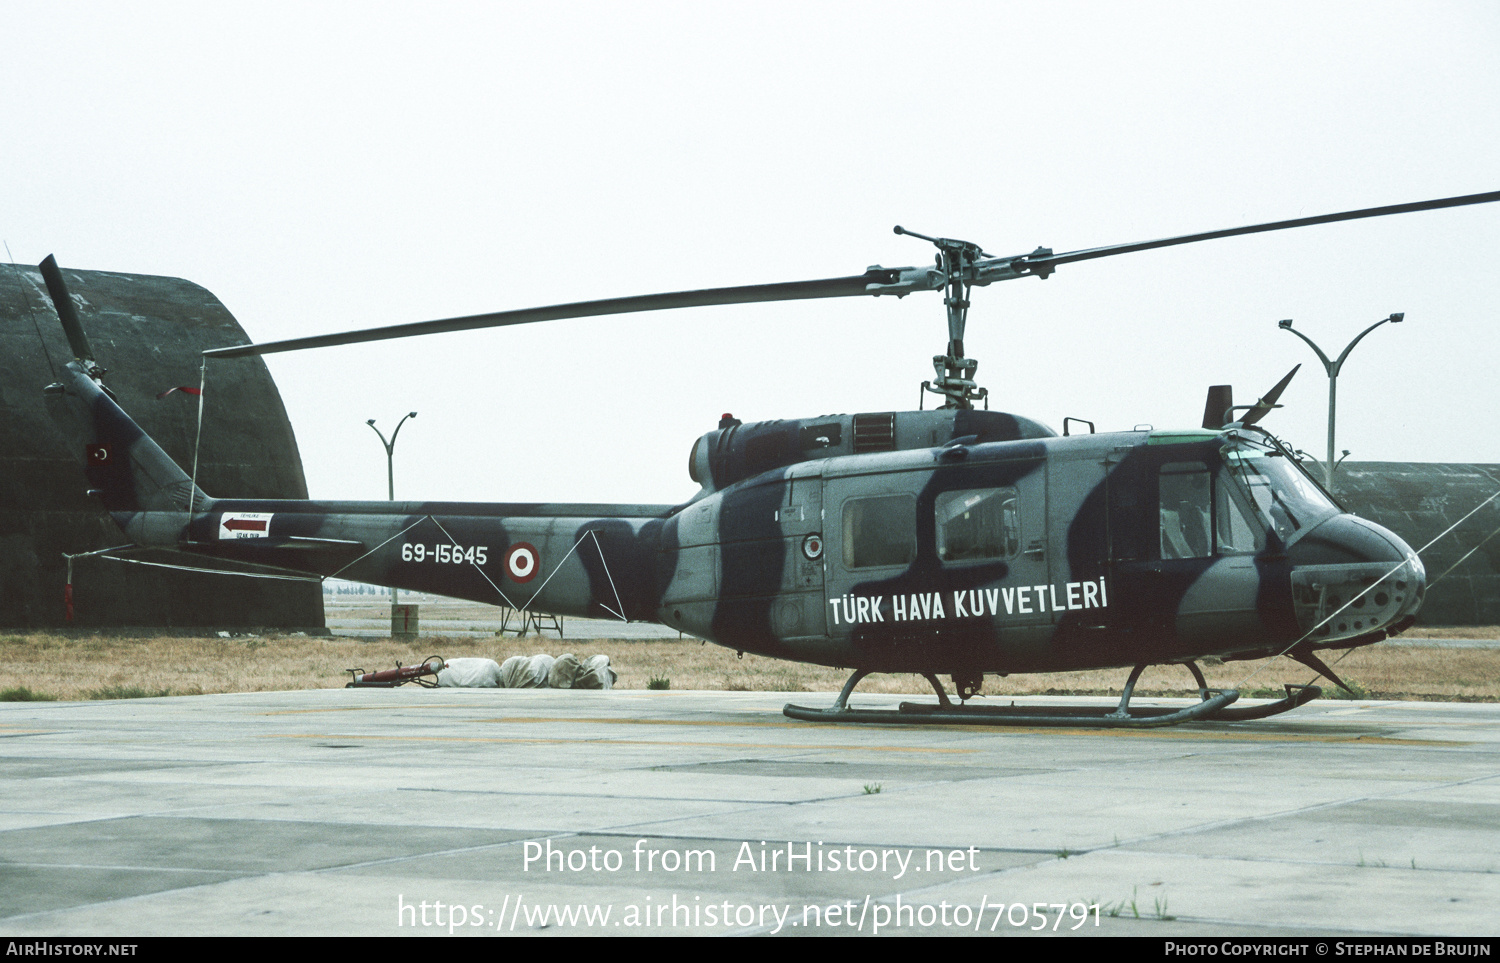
470, 673
526, 672
564, 671
595, 673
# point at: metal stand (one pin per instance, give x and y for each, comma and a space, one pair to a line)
529, 621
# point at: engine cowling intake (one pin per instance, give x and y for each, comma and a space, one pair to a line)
738, 451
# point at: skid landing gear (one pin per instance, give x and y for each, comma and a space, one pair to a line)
1214, 705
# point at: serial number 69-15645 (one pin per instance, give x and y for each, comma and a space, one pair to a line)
455, 554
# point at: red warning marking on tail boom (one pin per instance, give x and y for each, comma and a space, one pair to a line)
245, 525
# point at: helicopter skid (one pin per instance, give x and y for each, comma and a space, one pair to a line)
1213, 709
1296, 695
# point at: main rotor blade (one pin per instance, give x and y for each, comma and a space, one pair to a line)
1265, 404
874, 282
1044, 265
786, 291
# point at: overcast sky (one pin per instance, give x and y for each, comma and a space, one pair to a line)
329, 166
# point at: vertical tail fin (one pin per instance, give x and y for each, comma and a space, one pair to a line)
150, 497
126, 468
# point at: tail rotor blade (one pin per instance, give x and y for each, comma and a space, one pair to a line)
57, 289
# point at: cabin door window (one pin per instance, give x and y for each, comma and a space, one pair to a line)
879, 531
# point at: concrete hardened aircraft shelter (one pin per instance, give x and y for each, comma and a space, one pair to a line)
150, 331
1419, 501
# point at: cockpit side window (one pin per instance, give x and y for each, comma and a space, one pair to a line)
1236, 535
1186, 500
1200, 515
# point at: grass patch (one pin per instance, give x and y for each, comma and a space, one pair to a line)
659, 682
1131, 908
872, 788
127, 692
1357, 691
22, 694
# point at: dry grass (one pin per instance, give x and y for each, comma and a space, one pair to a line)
1452, 632
84, 667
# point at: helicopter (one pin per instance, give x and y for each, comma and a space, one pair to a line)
951, 541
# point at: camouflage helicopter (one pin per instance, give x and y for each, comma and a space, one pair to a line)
953, 541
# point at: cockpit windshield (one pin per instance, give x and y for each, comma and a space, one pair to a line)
1282, 493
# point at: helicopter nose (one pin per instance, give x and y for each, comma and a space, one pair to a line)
1351, 577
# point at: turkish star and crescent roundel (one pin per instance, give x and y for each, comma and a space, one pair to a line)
521, 562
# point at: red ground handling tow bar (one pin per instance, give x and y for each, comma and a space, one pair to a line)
400, 675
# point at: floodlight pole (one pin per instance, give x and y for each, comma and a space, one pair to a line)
1332, 367
390, 467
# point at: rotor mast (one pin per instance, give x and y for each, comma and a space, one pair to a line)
959, 268
954, 373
